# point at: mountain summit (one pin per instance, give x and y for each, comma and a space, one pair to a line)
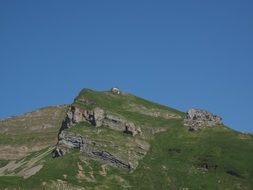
115, 140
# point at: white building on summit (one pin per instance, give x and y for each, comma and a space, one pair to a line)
115, 90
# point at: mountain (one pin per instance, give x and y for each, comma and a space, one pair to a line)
115, 140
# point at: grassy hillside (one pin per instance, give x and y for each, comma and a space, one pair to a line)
28, 133
167, 155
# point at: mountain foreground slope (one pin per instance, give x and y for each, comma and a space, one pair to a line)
115, 140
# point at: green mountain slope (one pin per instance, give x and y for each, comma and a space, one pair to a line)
21, 135
115, 140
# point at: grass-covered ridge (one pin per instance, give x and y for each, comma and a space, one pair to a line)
119, 102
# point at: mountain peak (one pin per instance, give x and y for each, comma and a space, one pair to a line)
115, 140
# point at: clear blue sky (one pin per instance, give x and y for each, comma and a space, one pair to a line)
179, 53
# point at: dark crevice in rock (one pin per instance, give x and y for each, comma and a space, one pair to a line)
234, 173
109, 158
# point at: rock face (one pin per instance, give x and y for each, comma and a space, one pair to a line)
76, 115
69, 141
98, 117
197, 119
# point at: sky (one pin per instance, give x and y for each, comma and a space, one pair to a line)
182, 54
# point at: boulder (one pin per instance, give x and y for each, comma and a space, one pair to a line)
130, 128
57, 152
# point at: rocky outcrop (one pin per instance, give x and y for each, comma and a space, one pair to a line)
196, 119
98, 117
90, 113
69, 141
130, 128
76, 115
57, 152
